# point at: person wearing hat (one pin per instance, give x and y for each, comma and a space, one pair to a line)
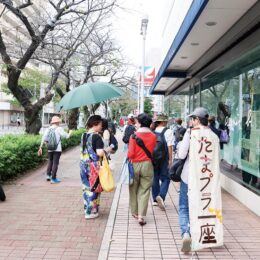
199, 120
54, 155
161, 179
129, 129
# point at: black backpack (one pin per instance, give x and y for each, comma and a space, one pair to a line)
160, 151
178, 136
130, 129
114, 142
112, 127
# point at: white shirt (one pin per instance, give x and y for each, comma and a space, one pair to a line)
60, 133
106, 138
182, 151
168, 135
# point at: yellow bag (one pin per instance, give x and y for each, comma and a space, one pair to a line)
105, 176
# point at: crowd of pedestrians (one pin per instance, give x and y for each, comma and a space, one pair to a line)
151, 147
153, 158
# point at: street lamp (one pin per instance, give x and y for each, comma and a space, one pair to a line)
143, 33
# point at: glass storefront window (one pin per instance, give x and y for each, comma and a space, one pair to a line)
232, 95
178, 106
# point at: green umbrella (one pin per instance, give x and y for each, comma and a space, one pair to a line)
87, 94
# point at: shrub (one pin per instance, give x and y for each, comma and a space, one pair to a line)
18, 153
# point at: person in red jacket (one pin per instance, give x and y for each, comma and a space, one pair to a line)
143, 169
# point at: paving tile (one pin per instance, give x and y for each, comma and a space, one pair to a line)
160, 238
55, 228
47, 220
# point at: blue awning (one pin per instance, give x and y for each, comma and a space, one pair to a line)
193, 14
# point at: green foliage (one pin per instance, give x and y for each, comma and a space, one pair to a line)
148, 106
174, 106
123, 106
31, 79
19, 152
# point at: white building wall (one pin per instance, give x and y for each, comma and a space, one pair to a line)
173, 13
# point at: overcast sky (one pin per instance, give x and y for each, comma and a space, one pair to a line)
128, 24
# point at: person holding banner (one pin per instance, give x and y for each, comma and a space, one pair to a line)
200, 213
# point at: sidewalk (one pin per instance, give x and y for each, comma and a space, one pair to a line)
160, 237
40, 220
44, 221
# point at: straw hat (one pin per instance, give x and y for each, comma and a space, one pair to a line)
161, 117
55, 120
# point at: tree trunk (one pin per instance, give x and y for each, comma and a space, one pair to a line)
73, 118
33, 121
94, 108
86, 113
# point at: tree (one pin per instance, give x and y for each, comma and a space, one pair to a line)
123, 105
101, 60
148, 106
62, 12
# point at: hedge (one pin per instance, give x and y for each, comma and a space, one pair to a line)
18, 153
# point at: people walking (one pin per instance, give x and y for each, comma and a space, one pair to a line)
212, 126
105, 133
199, 120
129, 129
110, 141
52, 137
18, 120
176, 133
143, 168
92, 151
161, 179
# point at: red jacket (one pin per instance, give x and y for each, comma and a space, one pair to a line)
135, 152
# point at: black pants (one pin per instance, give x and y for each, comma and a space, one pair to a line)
54, 158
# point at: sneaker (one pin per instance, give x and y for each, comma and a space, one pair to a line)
48, 177
186, 243
53, 181
155, 203
92, 215
160, 202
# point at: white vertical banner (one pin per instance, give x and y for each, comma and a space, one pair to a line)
205, 205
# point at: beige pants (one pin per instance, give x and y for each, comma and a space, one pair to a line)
140, 190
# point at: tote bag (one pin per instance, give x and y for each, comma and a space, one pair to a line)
105, 176
94, 180
127, 173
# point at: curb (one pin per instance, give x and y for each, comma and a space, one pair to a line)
105, 245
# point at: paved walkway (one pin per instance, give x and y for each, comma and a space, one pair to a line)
160, 237
44, 221
40, 220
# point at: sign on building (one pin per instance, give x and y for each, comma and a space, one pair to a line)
205, 206
149, 75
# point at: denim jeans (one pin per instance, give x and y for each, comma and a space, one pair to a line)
184, 209
54, 158
161, 174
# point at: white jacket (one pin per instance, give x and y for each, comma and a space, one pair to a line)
183, 151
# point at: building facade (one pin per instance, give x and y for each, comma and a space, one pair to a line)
16, 37
214, 62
